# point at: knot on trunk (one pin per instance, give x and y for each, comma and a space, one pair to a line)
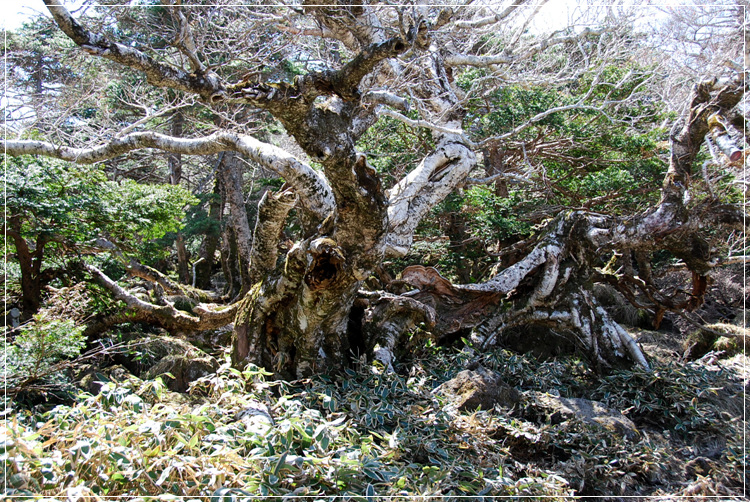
368, 179
327, 261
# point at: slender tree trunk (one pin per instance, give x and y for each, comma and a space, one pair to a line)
229, 262
494, 164
30, 262
183, 257
210, 241
175, 176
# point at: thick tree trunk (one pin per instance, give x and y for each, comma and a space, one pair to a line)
296, 321
230, 171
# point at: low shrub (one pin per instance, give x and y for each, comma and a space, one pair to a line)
34, 359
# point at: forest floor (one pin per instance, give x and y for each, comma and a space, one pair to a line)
235, 434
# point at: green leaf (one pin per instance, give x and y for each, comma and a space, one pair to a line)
279, 464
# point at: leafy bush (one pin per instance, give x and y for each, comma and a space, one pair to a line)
494, 217
72, 205
33, 355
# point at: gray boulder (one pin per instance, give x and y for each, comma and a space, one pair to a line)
560, 409
257, 417
184, 369
471, 389
91, 378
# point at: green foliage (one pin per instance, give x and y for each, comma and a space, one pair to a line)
602, 155
493, 217
393, 149
197, 221
672, 395
294, 68
514, 105
40, 344
581, 158
34, 51
675, 396
144, 212
567, 377
365, 434
52, 196
611, 178
463, 227
73, 204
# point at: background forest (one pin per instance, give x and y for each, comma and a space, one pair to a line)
350, 249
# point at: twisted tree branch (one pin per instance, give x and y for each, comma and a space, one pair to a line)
205, 84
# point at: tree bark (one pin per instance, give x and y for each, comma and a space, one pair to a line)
230, 171
31, 264
230, 262
207, 250
296, 320
175, 177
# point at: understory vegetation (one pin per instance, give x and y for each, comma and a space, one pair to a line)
366, 432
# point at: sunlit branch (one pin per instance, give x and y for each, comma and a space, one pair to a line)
479, 23
185, 41
421, 123
314, 192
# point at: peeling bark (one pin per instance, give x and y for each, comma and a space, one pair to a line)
273, 209
440, 172
548, 287
231, 176
387, 317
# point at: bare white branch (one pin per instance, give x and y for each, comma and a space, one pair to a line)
387, 98
479, 61
420, 123
311, 186
485, 21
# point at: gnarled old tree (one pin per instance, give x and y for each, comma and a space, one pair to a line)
306, 310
